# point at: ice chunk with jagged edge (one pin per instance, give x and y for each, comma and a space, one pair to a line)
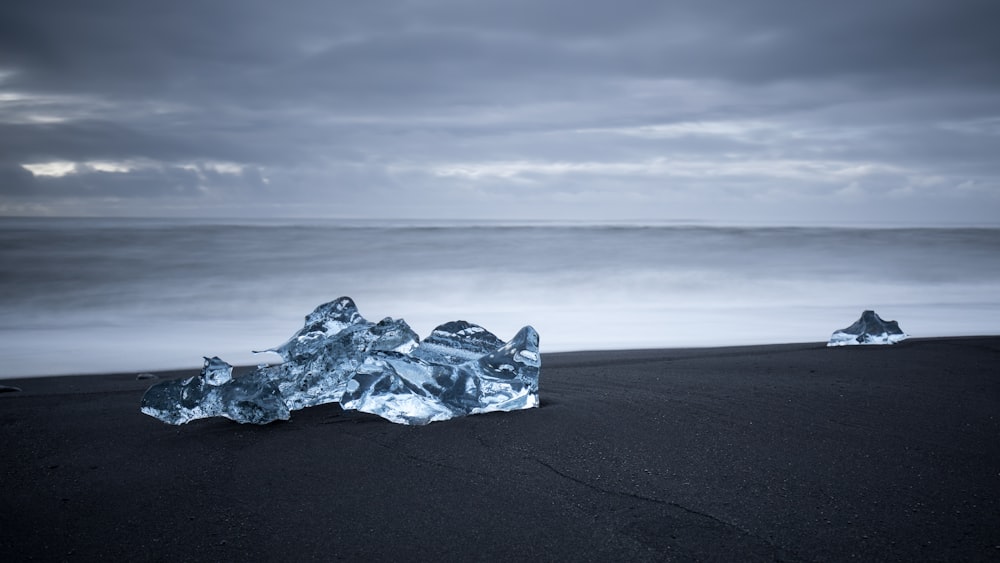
380, 368
215, 392
320, 358
436, 384
869, 329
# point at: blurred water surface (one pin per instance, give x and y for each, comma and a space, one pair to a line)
89, 295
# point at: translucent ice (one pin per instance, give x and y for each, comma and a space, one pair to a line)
446, 379
321, 357
215, 393
869, 329
380, 368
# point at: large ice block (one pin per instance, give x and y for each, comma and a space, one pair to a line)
321, 357
869, 329
432, 384
380, 368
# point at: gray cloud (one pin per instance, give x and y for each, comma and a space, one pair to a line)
642, 109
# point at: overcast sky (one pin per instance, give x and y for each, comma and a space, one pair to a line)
702, 110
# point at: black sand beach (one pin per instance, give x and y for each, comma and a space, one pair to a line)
793, 452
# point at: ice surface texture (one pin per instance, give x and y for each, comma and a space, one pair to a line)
380, 368
869, 329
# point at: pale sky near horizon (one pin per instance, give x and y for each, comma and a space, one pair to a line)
708, 110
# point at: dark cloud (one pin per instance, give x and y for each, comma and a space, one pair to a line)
15, 180
192, 50
615, 107
88, 182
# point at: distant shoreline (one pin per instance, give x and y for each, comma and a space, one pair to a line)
686, 351
414, 222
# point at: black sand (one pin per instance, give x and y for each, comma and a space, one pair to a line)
793, 452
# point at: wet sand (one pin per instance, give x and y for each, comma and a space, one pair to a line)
793, 452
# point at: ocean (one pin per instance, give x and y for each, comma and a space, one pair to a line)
128, 295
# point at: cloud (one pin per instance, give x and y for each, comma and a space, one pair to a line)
401, 108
